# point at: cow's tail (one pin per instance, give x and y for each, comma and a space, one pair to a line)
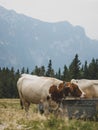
19, 87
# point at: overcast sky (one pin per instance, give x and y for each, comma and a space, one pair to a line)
77, 12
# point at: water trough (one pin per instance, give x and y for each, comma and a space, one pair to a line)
81, 108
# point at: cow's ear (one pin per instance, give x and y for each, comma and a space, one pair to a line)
67, 84
67, 88
53, 89
60, 87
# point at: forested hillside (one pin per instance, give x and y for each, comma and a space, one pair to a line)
9, 77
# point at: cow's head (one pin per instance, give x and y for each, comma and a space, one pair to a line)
58, 92
74, 89
65, 89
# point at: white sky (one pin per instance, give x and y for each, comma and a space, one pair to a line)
77, 12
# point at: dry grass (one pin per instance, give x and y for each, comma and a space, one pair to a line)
13, 118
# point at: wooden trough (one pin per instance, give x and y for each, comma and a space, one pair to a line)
81, 108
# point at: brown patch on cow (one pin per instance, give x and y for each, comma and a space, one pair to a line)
74, 89
61, 87
58, 92
64, 89
53, 89
54, 92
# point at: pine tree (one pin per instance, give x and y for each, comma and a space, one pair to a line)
23, 70
50, 71
1, 85
36, 71
85, 71
27, 71
58, 74
93, 66
42, 71
74, 68
65, 75
97, 68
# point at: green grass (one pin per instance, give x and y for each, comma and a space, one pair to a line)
13, 118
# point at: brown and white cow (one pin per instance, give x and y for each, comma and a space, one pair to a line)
90, 87
45, 90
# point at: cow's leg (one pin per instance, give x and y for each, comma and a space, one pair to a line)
41, 108
59, 112
27, 105
21, 104
46, 108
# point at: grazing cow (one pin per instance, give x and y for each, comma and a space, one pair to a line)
45, 90
90, 87
73, 91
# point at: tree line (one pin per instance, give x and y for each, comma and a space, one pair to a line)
9, 77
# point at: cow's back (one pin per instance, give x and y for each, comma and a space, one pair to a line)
34, 88
90, 87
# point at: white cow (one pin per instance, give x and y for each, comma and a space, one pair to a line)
90, 87
45, 90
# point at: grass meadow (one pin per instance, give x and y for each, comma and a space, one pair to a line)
12, 117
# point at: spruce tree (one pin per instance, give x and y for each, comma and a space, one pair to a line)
74, 68
58, 74
42, 71
85, 71
50, 71
93, 66
36, 71
65, 75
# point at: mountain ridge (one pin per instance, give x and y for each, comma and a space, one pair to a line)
26, 42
